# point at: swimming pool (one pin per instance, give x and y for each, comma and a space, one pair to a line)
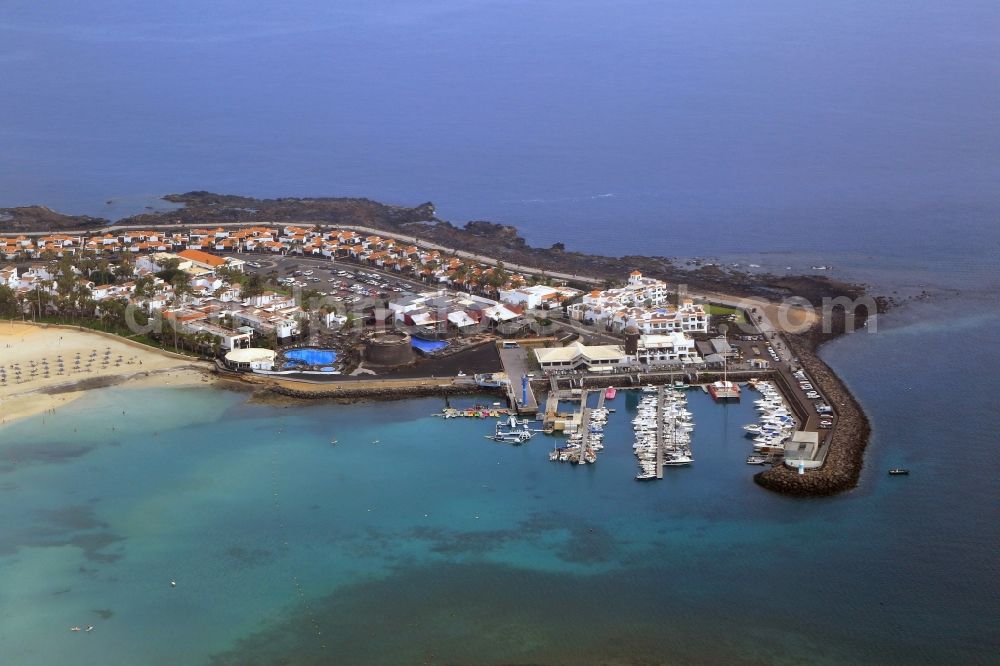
427, 346
310, 356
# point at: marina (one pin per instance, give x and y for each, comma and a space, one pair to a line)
586, 440
475, 412
663, 428
775, 425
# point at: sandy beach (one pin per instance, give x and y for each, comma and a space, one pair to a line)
42, 369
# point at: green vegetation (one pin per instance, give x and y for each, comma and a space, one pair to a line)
723, 311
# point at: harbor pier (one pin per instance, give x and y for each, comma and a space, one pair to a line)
659, 432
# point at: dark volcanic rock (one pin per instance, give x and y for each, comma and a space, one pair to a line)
35, 218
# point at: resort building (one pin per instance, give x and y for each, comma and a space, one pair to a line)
211, 262
642, 303
442, 310
538, 296
689, 317
662, 349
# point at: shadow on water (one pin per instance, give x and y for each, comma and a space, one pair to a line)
74, 525
577, 542
494, 614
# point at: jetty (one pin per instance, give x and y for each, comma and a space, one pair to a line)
659, 432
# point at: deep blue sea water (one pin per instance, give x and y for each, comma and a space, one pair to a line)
718, 126
854, 134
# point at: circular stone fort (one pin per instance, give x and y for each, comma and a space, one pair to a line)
389, 349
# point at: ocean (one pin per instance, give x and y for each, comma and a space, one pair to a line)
857, 135
416, 540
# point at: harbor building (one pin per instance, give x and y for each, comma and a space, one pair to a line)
802, 450
578, 356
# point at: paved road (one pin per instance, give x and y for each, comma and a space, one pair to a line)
591, 332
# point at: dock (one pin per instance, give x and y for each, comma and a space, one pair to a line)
659, 432
515, 364
584, 427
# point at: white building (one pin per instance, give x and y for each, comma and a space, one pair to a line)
670, 348
8, 277
537, 297
578, 356
642, 303
251, 358
689, 317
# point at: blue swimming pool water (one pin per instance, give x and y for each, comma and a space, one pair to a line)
427, 346
310, 357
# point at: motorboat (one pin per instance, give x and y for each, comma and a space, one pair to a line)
519, 437
898, 471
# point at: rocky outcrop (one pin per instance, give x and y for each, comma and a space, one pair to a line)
33, 218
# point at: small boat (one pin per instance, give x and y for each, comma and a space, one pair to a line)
89, 628
645, 476
75, 629
898, 471
757, 460
610, 393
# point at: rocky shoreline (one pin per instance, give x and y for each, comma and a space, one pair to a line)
504, 241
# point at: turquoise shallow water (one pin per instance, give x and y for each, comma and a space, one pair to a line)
415, 540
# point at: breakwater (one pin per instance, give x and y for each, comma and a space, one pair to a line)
355, 393
845, 457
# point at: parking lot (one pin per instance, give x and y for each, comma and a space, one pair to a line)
804, 391
341, 280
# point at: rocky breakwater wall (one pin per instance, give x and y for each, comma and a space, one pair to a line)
845, 458
370, 391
